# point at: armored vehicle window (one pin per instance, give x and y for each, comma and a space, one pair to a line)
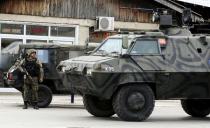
111, 45
145, 47
42, 55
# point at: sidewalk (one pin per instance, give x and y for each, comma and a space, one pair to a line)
9, 91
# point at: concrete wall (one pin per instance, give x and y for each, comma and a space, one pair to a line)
83, 34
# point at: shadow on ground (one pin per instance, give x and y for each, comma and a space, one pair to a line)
187, 119
58, 106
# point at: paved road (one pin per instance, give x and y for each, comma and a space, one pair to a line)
62, 114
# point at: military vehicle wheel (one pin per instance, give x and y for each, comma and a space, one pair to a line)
45, 96
134, 103
98, 107
196, 107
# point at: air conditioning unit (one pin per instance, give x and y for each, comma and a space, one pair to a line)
104, 24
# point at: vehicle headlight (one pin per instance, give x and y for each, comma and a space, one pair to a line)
61, 68
97, 66
107, 68
89, 71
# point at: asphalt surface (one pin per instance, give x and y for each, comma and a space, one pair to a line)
62, 114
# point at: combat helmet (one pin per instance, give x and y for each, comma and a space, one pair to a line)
30, 51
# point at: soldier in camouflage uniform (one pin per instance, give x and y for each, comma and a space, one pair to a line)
35, 74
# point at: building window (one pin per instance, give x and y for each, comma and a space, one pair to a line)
37, 30
62, 31
12, 29
39, 33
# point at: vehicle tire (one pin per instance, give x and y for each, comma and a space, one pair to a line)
45, 96
98, 107
134, 103
196, 107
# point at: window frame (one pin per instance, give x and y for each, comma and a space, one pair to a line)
48, 37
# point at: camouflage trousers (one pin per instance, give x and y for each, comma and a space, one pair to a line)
30, 90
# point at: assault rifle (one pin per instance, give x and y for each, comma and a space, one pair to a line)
18, 65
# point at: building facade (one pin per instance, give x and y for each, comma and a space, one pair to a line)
68, 21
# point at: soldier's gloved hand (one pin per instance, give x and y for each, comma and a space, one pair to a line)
40, 80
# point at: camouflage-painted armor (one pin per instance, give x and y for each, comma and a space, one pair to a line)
156, 66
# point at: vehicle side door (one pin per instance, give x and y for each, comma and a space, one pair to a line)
146, 52
149, 55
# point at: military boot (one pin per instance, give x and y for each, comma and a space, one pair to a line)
25, 105
36, 106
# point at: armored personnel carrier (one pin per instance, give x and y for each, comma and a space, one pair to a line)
126, 79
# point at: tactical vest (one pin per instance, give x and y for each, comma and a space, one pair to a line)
32, 68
